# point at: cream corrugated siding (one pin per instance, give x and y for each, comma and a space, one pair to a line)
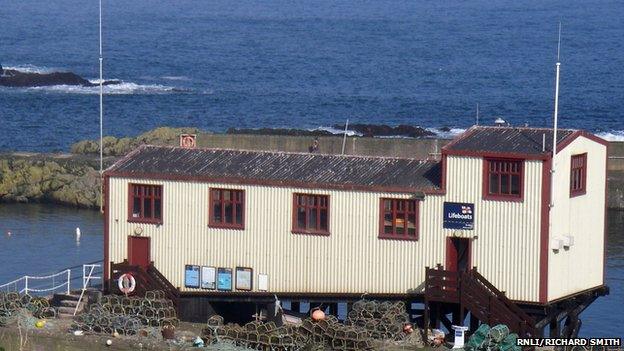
351, 260
506, 248
581, 266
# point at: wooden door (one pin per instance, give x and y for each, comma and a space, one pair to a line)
139, 251
458, 254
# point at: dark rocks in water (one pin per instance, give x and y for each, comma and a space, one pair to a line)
366, 130
445, 129
279, 131
373, 130
18, 79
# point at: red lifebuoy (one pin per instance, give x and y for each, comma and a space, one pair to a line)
126, 283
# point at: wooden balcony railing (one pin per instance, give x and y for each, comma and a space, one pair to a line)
476, 294
147, 279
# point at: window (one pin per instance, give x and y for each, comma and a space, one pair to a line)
399, 219
145, 203
311, 214
503, 179
227, 208
578, 174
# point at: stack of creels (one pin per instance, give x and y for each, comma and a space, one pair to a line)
332, 334
381, 320
254, 335
321, 335
12, 302
127, 315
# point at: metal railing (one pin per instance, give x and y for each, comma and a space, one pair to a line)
62, 281
92, 268
24, 285
86, 279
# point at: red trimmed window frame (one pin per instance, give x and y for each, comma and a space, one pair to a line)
153, 193
319, 204
578, 175
401, 210
502, 167
237, 198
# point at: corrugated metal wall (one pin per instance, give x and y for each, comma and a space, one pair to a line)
352, 259
579, 267
505, 245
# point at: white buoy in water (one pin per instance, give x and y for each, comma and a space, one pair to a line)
9, 233
77, 234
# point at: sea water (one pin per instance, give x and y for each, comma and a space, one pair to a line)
309, 64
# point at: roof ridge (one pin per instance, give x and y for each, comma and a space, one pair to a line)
528, 128
292, 153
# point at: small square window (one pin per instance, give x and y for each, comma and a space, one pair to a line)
311, 214
503, 179
145, 203
227, 208
399, 219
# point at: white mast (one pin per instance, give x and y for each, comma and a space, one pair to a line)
101, 116
344, 137
556, 116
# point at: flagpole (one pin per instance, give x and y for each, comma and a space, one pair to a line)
555, 123
101, 118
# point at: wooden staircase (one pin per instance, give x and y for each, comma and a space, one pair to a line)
472, 292
66, 304
147, 279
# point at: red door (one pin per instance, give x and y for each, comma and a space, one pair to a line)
458, 254
139, 251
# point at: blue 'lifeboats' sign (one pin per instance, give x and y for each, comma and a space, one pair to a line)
458, 216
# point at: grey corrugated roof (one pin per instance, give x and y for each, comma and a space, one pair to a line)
523, 140
280, 168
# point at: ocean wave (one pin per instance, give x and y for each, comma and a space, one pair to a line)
613, 135
28, 68
336, 131
451, 133
123, 88
444, 134
178, 78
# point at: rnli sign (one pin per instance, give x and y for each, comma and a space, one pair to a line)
458, 216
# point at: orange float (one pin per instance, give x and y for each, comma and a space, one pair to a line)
318, 315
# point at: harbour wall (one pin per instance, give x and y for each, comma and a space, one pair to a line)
72, 179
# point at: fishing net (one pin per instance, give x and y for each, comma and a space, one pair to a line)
128, 315
369, 323
11, 303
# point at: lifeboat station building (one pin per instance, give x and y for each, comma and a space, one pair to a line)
486, 231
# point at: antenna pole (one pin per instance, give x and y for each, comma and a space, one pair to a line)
477, 113
555, 118
344, 138
101, 117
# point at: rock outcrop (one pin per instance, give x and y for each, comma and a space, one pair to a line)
382, 130
62, 179
18, 79
365, 130
71, 179
121, 146
279, 131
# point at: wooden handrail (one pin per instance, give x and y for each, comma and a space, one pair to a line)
148, 279
502, 297
479, 296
